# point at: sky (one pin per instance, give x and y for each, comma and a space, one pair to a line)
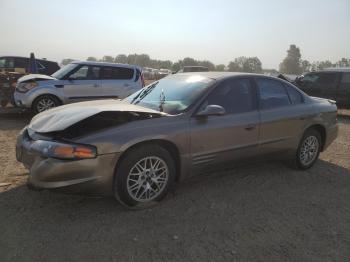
218, 31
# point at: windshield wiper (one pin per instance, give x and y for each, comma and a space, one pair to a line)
162, 100
143, 94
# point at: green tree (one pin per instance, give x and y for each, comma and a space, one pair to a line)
188, 61
245, 64
344, 62
176, 66
306, 66
66, 61
167, 64
252, 65
320, 65
292, 63
220, 67
234, 67
92, 59
122, 59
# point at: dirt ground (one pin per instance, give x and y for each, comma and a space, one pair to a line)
262, 212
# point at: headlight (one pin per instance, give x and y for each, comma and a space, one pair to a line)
64, 151
25, 87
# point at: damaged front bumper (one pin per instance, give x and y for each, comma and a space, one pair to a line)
91, 176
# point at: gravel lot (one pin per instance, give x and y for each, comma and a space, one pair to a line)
262, 212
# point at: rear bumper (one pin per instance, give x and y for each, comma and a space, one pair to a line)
88, 176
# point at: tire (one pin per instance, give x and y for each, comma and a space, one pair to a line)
45, 102
136, 185
308, 150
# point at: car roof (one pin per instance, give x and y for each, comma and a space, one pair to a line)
104, 64
220, 75
336, 69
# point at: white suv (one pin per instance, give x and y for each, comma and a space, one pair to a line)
78, 81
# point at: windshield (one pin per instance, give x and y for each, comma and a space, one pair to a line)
171, 95
61, 73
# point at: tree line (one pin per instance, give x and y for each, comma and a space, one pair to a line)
291, 64
294, 64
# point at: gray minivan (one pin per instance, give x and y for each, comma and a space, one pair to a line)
75, 82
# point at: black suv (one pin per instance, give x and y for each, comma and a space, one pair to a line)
21, 64
333, 84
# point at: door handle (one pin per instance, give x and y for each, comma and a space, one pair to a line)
250, 127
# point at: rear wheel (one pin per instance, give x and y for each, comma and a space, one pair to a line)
308, 150
144, 176
44, 103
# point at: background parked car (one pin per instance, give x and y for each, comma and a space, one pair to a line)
163, 73
331, 83
20, 65
78, 81
14, 67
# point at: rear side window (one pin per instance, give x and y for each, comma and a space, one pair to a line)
294, 95
272, 94
328, 78
235, 96
117, 73
346, 78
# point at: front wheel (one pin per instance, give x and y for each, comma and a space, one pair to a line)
308, 150
44, 103
144, 176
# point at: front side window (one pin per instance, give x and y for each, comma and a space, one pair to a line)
64, 71
80, 74
235, 96
117, 73
328, 79
311, 78
272, 94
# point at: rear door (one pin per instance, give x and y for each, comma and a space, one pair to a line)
118, 82
343, 95
82, 84
283, 115
221, 139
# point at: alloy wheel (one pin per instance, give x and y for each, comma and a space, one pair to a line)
309, 150
147, 179
45, 104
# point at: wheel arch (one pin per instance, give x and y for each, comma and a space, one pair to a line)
322, 131
47, 94
166, 144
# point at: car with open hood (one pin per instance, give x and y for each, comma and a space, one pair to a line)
184, 124
76, 82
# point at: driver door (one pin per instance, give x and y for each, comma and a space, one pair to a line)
225, 138
83, 84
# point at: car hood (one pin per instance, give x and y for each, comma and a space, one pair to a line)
35, 77
62, 117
